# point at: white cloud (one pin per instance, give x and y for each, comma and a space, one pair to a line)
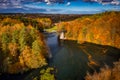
68, 3
115, 2
15, 2
48, 3
10, 4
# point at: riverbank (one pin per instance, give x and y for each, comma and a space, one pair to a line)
72, 60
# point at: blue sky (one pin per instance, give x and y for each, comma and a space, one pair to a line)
68, 7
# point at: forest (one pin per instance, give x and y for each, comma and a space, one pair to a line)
55, 18
23, 44
103, 29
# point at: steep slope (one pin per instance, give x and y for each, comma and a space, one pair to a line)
101, 29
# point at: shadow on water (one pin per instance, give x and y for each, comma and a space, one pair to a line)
29, 75
18, 76
73, 60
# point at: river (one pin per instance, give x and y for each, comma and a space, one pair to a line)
73, 60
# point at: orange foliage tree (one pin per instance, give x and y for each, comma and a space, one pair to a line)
21, 47
101, 29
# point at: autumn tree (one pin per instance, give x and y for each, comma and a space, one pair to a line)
21, 47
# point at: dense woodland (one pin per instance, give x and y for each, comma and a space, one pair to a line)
55, 18
23, 46
101, 29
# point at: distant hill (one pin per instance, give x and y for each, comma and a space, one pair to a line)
54, 17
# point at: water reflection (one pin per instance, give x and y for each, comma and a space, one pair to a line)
73, 60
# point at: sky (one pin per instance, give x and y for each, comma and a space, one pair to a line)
59, 6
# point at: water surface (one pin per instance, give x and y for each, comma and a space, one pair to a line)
73, 60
